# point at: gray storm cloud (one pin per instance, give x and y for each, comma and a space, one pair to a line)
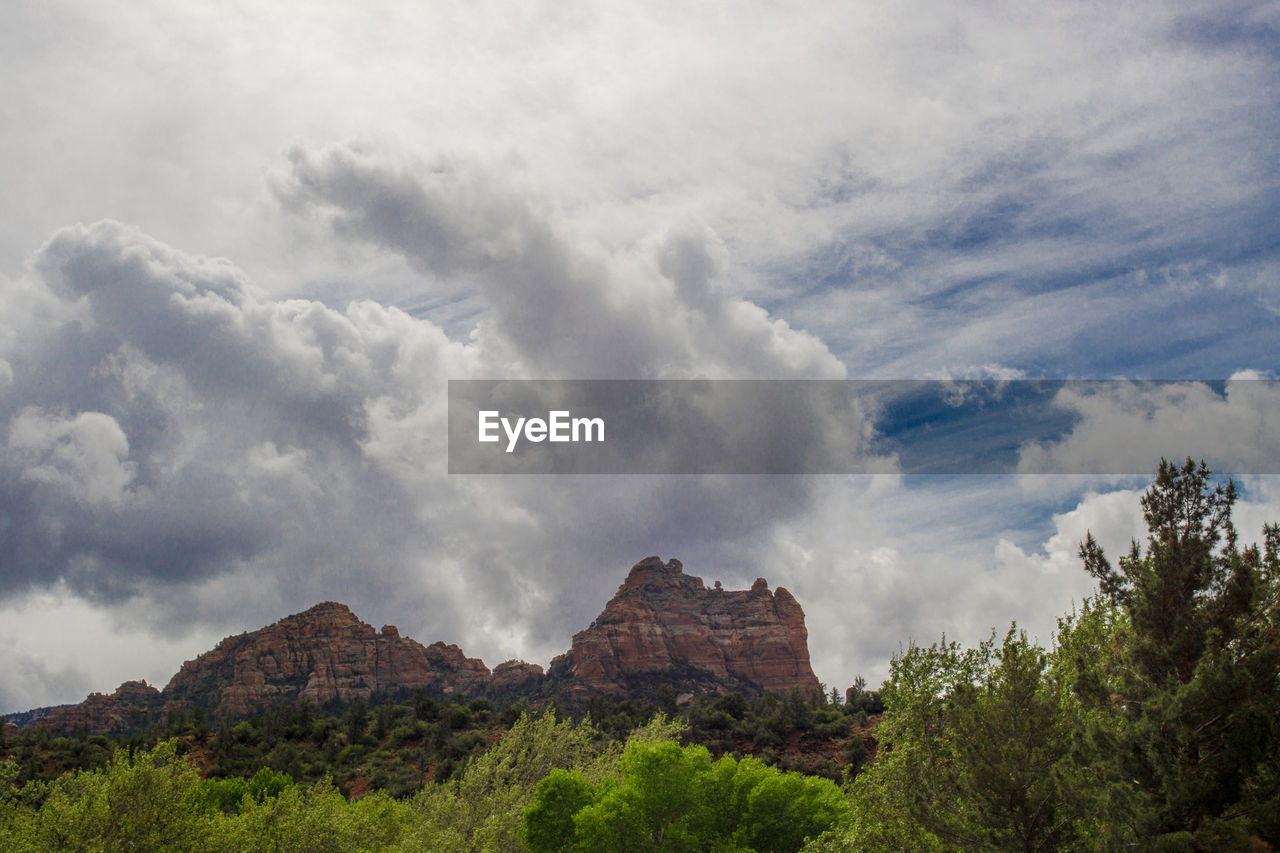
565, 307
174, 424
177, 438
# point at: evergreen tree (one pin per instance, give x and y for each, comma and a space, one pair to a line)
1196, 674
975, 755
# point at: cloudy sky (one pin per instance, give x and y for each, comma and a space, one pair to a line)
246, 245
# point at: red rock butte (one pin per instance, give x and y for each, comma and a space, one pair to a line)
664, 630
665, 626
324, 654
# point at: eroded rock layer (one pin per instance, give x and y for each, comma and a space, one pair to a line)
324, 654
134, 706
663, 632
666, 626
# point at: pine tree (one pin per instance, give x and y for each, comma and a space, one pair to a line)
1196, 677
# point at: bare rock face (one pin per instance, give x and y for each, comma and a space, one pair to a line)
664, 630
134, 706
664, 626
324, 654
515, 677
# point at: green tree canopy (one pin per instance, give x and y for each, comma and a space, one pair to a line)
671, 798
1197, 673
975, 755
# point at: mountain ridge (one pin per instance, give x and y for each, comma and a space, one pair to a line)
662, 627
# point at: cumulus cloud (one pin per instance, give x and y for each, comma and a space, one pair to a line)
85, 457
561, 307
180, 410
874, 578
882, 562
1129, 427
184, 448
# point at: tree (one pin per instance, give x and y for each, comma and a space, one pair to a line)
357, 720
1197, 672
975, 755
548, 820
655, 808
146, 801
666, 797
309, 820
483, 808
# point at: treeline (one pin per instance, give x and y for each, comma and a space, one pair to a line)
398, 747
546, 785
1151, 723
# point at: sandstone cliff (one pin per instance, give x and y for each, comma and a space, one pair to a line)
664, 626
134, 706
324, 654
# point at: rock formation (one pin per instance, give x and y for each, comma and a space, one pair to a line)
324, 654
515, 677
664, 626
22, 719
134, 706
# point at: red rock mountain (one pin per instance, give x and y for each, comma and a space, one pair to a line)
134, 706
663, 627
324, 654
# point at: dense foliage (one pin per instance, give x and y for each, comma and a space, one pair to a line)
1152, 724
155, 800
436, 774
672, 798
399, 747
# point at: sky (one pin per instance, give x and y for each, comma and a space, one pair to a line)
247, 245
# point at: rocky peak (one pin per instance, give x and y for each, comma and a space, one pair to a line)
665, 626
131, 708
324, 654
514, 677
334, 610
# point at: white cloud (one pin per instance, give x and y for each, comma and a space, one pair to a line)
81, 647
883, 562
1128, 428
85, 457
